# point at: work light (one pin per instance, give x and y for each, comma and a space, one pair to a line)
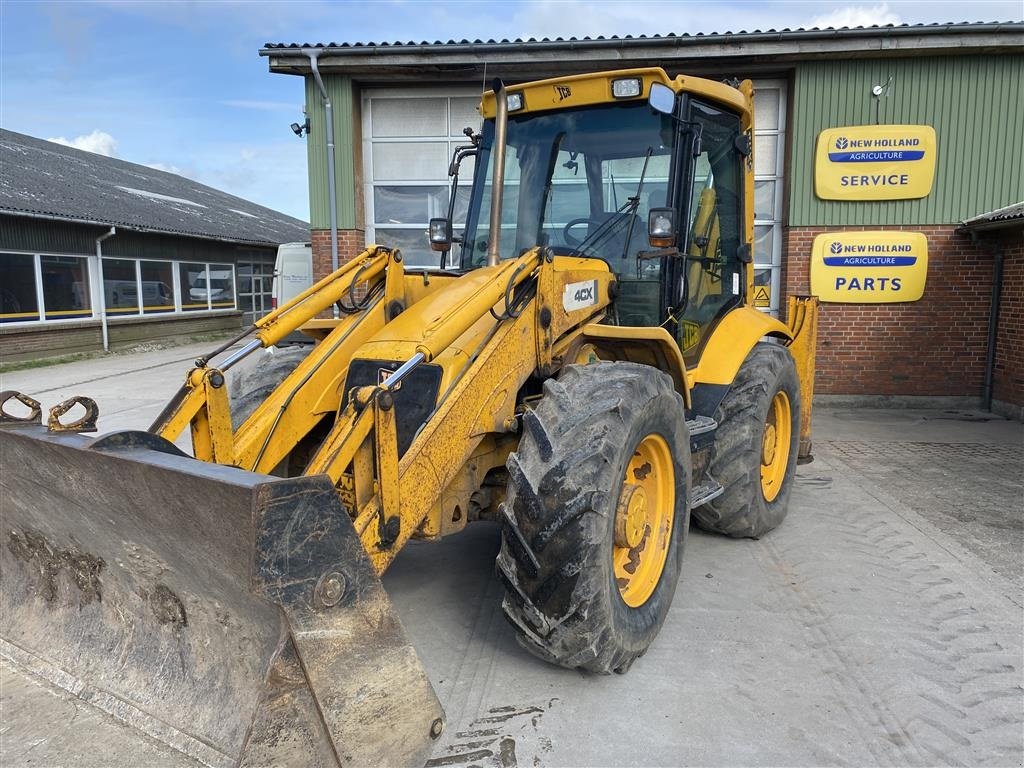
626, 88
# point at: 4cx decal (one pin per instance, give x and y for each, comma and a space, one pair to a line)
579, 295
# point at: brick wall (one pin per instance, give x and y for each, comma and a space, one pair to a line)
935, 346
35, 342
1008, 379
351, 242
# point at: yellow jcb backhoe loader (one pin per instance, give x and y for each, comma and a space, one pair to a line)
583, 365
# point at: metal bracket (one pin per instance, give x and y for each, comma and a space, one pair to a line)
86, 423
9, 419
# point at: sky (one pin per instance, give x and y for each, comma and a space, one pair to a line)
180, 86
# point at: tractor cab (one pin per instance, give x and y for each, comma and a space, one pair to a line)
632, 170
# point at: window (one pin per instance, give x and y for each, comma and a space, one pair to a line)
192, 298
51, 287
407, 146
255, 287
714, 234
157, 286
18, 298
206, 286
769, 144
65, 287
579, 181
121, 286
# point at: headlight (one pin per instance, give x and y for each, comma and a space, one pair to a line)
626, 88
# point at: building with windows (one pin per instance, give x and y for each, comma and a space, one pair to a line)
98, 253
400, 109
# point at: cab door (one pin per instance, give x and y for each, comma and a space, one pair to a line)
714, 252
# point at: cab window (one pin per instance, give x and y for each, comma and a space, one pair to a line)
714, 271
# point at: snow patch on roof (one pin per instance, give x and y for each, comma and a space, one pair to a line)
158, 196
243, 213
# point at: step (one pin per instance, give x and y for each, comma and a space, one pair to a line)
701, 424
705, 492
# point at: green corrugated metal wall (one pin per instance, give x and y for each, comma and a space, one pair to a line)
975, 104
339, 88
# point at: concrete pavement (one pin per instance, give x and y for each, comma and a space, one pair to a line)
881, 624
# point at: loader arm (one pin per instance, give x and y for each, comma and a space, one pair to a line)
480, 400
201, 405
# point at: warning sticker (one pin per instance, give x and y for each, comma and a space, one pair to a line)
762, 296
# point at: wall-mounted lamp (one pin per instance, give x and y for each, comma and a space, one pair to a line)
877, 92
301, 129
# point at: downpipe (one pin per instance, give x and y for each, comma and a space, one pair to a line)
993, 325
332, 191
101, 291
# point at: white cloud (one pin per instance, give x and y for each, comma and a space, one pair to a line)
166, 168
99, 142
858, 16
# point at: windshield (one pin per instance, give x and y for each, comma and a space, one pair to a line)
580, 181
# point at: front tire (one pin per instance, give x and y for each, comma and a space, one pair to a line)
596, 516
756, 443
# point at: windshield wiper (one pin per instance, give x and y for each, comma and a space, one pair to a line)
625, 212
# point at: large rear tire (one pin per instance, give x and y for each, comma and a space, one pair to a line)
754, 454
596, 516
256, 381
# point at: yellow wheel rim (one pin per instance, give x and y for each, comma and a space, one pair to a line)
643, 520
775, 444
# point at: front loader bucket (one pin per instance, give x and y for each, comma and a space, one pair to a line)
158, 610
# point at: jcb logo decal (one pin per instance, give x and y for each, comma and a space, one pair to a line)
563, 92
579, 295
689, 335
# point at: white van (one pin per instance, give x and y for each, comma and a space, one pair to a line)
218, 286
293, 272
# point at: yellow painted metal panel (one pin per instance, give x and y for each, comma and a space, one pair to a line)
581, 90
732, 339
875, 162
869, 267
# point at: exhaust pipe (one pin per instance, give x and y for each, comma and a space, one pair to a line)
498, 178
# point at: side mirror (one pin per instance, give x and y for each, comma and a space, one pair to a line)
661, 227
662, 99
440, 233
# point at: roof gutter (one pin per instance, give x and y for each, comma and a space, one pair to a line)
740, 40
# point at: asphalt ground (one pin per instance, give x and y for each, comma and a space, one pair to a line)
881, 624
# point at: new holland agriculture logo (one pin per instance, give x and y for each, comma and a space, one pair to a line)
882, 150
875, 162
869, 255
869, 267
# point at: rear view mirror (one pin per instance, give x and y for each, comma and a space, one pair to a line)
662, 99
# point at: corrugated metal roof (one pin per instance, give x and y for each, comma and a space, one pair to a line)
44, 179
738, 37
999, 217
